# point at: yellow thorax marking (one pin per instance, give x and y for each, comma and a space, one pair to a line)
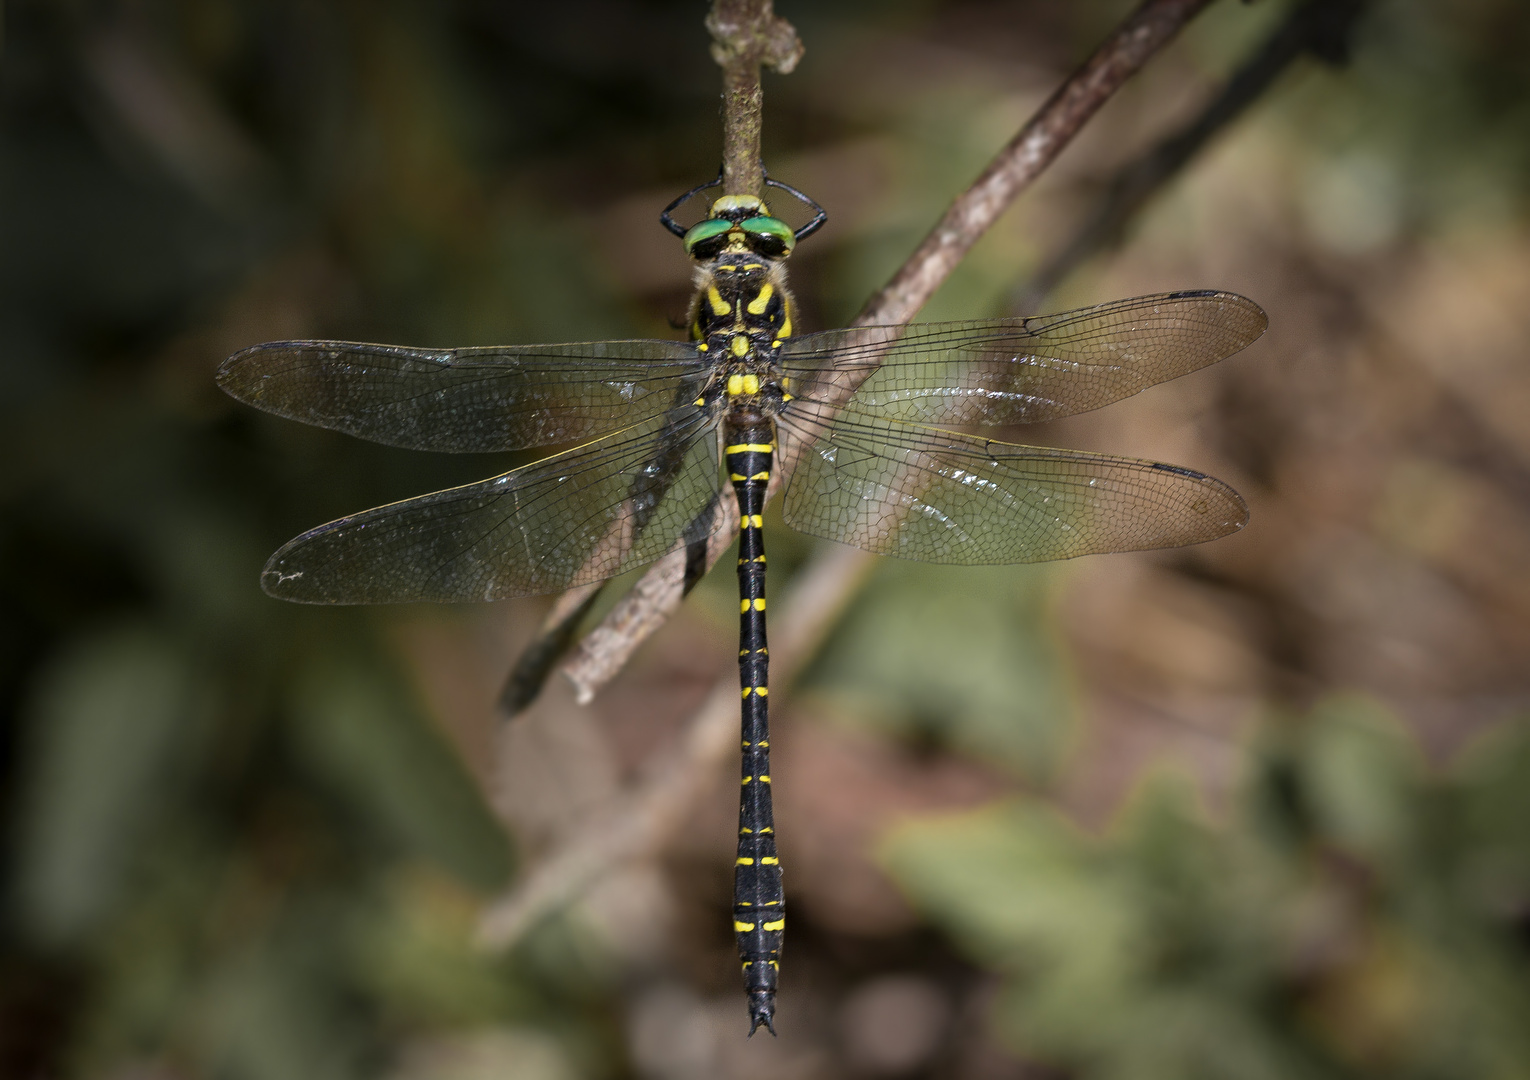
758, 305
735, 385
751, 384
739, 345
719, 305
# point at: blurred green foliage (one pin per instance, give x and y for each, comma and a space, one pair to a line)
1352, 914
236, 845
984, 675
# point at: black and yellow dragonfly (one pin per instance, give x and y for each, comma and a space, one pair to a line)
858, 418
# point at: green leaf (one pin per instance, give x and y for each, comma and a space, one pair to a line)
107, 724
361, 730
1014, 883
1363, 777
967, 655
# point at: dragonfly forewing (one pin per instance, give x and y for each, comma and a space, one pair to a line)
998, 372
464, 400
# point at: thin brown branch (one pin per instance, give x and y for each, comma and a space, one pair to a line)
544, 651
747, 34
604, 651
1319, 28
1025, 157
1036, 145
636, 824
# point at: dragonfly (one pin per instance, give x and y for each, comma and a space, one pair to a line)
880, 434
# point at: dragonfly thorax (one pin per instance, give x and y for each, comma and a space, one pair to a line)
740, 317
741, 295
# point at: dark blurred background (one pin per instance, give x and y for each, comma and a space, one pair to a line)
1259, 809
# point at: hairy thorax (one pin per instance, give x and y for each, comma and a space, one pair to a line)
741, 314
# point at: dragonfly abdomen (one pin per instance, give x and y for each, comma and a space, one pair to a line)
759, 914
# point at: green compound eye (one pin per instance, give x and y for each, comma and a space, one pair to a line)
772, 236
713, 229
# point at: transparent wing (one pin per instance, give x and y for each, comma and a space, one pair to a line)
463, 400
994, 372
574, 518
941, 497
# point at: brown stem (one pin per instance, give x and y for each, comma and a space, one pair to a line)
543, 652
1319, 28
597, 660
637, 822
745, 35
1024, 158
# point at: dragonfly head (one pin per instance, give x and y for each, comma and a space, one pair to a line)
740, 224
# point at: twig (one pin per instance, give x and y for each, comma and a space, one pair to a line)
1145, 31
1035, 147
637, 822
552, 640
1320, 28
745, 35
645, 607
